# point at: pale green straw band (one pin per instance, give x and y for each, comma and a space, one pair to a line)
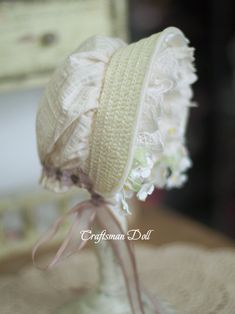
116, 122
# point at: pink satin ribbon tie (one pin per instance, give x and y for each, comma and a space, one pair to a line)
85, 214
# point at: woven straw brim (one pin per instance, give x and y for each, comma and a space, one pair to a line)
117, 119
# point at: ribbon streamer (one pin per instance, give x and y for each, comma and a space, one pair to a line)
85, 214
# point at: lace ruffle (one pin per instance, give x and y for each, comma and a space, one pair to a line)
160, 147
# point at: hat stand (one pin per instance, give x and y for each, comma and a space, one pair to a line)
110, 295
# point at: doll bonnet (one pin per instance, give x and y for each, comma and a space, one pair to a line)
117, 113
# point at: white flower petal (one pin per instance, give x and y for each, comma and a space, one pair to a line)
145, 190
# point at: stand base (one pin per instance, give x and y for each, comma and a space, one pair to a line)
101, 303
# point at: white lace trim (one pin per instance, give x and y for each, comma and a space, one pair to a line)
161, 157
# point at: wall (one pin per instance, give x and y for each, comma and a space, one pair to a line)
19, 164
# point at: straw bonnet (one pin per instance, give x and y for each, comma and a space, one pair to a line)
117, 113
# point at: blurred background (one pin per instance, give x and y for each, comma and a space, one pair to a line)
36, 35
209, 195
